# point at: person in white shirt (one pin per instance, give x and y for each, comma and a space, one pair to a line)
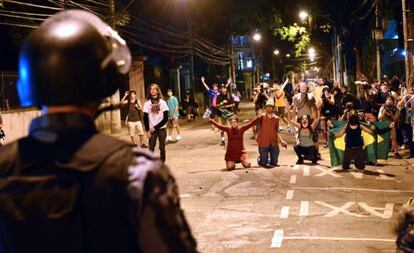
156, 118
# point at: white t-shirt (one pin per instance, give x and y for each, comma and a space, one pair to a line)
155, 112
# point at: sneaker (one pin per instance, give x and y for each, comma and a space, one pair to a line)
300, 161
222, 143
403, 147
325, 145
280, 129
144, 146
169, 138
178, 138
289, 128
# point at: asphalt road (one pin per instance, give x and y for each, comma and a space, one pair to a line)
289, 208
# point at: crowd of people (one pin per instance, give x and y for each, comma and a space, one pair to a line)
310, 108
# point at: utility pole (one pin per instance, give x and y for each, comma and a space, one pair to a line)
115, 118
190, 31
377, 39
405, 31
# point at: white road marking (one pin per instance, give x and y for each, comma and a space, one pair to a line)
353, 189
327, 172
388, 210
277, 239
304, 208
284, 213
289, 194
292, 179
357, 174
296, 167
306, 171
337, 238
382, 176
337, 210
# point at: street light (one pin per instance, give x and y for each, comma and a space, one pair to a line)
303, 15
312, 53
276, 52
288, 55
257, 36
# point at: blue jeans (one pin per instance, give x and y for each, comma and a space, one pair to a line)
264, 153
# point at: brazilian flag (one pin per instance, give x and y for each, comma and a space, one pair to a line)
375, 146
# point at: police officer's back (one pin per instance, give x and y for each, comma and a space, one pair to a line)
66, 187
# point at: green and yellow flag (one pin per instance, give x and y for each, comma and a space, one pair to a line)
375, 146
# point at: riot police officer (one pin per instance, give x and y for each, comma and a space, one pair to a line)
66, 187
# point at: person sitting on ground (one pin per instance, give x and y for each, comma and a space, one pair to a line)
354, 143
306, 139
236, 153
268, 137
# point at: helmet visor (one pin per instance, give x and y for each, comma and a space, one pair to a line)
120, 53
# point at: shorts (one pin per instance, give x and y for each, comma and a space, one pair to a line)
172, 121
280, 111
135, 127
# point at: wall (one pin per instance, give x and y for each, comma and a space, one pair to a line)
16, 122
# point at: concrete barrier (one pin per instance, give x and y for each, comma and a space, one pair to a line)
16, 122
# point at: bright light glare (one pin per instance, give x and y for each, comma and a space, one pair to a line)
66, 30
288, 55
303, 15
257, 36
276, 52
312, 53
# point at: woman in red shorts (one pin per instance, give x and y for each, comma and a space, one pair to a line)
236, 153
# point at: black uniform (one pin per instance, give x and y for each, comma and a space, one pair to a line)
68, 188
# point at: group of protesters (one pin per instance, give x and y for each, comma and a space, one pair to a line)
314, 108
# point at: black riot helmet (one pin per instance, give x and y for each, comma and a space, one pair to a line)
72, 58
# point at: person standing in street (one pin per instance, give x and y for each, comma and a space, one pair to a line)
236, 98
173, 116
66, 187
235, 153
225, 105
133, 119
268, 137
155, 119
303, 103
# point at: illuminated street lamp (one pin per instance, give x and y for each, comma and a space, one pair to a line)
257, 36
303, 15
288, 55
312, 53
276, 52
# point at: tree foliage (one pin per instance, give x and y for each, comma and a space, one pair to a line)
296, 34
